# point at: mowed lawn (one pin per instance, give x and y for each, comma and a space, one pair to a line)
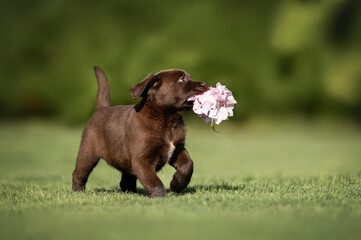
260, 181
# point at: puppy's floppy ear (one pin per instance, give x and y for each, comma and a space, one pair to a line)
141, 89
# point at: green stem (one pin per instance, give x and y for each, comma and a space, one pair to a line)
213, 126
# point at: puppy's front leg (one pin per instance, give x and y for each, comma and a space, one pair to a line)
183, 163
145, 172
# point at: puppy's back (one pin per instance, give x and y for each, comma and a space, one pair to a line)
106, 131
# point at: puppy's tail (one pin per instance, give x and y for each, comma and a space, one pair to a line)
103, 97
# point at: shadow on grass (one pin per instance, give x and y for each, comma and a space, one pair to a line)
140, 191
214, 187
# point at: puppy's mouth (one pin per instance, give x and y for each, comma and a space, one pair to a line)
188, 102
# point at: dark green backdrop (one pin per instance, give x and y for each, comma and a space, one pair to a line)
278, 57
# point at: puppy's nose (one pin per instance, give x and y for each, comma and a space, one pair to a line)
203, 84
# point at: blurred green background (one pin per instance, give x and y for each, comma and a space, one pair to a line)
280, 58
286, 166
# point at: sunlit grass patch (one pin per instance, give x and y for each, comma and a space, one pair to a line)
252, 184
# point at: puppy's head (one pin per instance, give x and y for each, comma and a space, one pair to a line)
169, 89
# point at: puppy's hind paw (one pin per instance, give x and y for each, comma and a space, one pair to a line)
78, 188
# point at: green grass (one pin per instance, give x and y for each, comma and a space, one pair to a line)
293, 181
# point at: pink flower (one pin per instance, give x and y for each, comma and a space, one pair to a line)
214, 105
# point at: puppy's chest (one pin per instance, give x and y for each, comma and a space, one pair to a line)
170, 151
165, 155
170, 141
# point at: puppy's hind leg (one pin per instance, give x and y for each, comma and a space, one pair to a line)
128, 183
85, 163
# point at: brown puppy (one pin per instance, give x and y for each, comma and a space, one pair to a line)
140, 139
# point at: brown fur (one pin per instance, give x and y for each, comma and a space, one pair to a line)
140, 139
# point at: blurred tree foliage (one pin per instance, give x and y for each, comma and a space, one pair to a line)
278, 57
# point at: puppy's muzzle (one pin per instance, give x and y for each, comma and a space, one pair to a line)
201, 87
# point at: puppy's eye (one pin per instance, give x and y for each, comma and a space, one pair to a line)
181, 79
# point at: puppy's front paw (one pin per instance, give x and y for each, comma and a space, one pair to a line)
179, 182
177, 186
158, 192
